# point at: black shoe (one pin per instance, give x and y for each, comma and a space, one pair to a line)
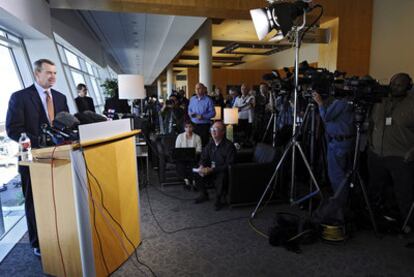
202, 198
36, 252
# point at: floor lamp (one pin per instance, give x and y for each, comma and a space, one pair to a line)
231, 117
131, 87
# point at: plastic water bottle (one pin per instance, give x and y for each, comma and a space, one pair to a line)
25, 147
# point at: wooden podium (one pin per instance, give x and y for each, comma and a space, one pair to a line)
87, 205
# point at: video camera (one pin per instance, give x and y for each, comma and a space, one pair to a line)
357, 89
278, 85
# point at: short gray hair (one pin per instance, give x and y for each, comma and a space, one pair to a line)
39, 63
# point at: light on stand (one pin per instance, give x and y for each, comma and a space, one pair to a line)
131, 87
231, 117
278, 16
218, 113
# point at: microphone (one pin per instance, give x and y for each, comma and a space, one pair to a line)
88, 117
65, 120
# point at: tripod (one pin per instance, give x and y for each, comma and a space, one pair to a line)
293, 144
273, 118
353, 175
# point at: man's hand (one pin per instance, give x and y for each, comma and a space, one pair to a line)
204, 171
409, 156
317, 98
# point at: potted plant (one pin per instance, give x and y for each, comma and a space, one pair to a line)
110, 86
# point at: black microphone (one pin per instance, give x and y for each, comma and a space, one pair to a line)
88, 117
65, 120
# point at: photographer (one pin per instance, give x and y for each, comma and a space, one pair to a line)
391, 155
337, 115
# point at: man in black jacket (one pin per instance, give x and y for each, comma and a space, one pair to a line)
216, 157
28, 109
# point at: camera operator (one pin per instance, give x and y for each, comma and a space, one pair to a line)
391, 155
338, 117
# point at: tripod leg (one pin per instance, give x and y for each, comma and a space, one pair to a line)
268, 126
364, 192
408, 217
312, 176
271, 179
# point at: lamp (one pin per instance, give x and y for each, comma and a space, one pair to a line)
131, 87
278, 16
218, 113
231, 116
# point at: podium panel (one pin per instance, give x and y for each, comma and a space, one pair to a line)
86, 205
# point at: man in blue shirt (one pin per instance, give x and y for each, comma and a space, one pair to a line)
201, 110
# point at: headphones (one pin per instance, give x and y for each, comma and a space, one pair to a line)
410, 81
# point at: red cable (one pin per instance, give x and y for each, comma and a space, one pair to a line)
54, 206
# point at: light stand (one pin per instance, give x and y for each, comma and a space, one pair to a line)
293, 143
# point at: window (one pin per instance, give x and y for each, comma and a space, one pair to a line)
9, 72
80, 69
72, 59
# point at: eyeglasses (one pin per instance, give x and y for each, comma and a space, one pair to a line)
214, 129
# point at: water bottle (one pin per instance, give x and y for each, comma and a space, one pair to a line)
25, 148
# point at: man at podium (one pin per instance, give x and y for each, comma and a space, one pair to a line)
28, 109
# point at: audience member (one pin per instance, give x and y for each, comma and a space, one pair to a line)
201, 110
215, 159
245, 104
84, 102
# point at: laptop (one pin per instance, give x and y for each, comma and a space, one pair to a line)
184, 154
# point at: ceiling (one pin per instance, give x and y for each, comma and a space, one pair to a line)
144, 43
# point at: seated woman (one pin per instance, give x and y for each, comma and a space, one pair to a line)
188, 139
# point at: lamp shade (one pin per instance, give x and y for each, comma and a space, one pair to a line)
218, 113
231, 115
131, 86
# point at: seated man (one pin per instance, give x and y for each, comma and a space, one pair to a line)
218, 154
188, 139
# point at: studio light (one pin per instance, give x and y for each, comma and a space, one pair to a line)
277, 16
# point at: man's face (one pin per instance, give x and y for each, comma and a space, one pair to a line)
46, 77
399, 85
199, 88
263, 88
244, 89
83, 92
217, 131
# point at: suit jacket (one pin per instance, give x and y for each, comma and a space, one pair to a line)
119, 105
26, 113
84, 104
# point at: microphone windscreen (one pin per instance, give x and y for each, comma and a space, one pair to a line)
65, 120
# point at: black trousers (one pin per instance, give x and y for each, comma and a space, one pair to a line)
387, 171
28, 205
203, 130
219, 180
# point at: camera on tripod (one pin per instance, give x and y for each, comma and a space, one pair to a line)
278, 85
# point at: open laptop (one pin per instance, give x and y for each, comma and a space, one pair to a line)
184, 154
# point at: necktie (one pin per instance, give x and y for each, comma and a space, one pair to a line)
50, 108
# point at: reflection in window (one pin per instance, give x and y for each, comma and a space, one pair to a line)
72, 59
7, 72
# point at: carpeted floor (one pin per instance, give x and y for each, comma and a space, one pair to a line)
228, 246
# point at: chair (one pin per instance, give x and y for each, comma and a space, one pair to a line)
248, 180
166, 165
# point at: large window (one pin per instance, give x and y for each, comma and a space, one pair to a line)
81, 70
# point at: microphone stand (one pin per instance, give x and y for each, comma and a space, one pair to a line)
293, 144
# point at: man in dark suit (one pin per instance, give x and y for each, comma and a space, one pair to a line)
28, 109
83, 102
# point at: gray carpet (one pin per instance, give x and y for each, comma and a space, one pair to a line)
232, 248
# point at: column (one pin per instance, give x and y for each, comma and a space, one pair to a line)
169, 80
159, 88
205, 57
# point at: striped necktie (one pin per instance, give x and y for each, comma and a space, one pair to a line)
50, 108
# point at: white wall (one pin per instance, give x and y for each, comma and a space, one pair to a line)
392, 47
